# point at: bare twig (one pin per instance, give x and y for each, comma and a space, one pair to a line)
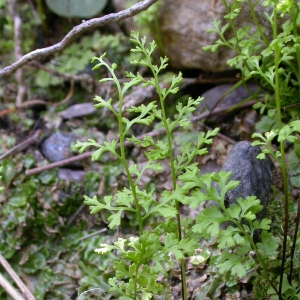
34, 13
292, 105
40, 102
17, 50
74, 216
58, 163
25, 291
9, 289
92, 234
76, 31
20, 147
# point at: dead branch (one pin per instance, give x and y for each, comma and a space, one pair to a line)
17, 50
9, 289
25, 291
39, 102
76, 31
20, 147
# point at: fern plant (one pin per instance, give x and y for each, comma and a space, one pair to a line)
145, 256
274, 64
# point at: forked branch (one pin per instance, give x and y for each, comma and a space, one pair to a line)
76, 31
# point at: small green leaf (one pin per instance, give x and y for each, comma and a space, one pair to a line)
133, 169
18, 201
36, 262
208, 221
115, 219
263, 224
28, 161
229, 238
94, 205
232, 263
156, 167
121, 269
234, 211
104, 249
268, 244
166, 212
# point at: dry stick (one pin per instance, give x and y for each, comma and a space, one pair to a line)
18, 148
58, 163
16, 279
9, 289
17, 50
152, 133
75, 32
39, 102
92, 234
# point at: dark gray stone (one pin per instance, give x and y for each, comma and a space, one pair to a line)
255, 175
58, 146
212, 96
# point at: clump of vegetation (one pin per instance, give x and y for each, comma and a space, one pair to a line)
144, 257
272, 64
40, 205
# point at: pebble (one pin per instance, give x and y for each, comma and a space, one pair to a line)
78, 110
70, 175
58, 146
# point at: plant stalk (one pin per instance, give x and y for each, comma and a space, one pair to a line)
294, 242
171, 159
258, 27
295, 32
123, 157
282, 152
129, 177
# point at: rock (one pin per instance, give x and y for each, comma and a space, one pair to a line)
210, 167
212, 96
183, 26
78, 110
58, 146
71, 175
255, 175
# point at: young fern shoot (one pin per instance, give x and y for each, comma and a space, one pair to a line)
144, 257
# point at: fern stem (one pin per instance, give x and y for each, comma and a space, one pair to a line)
295, 32
129, 177
123, 156
173, 172
294, 241
258, 27
282, 163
